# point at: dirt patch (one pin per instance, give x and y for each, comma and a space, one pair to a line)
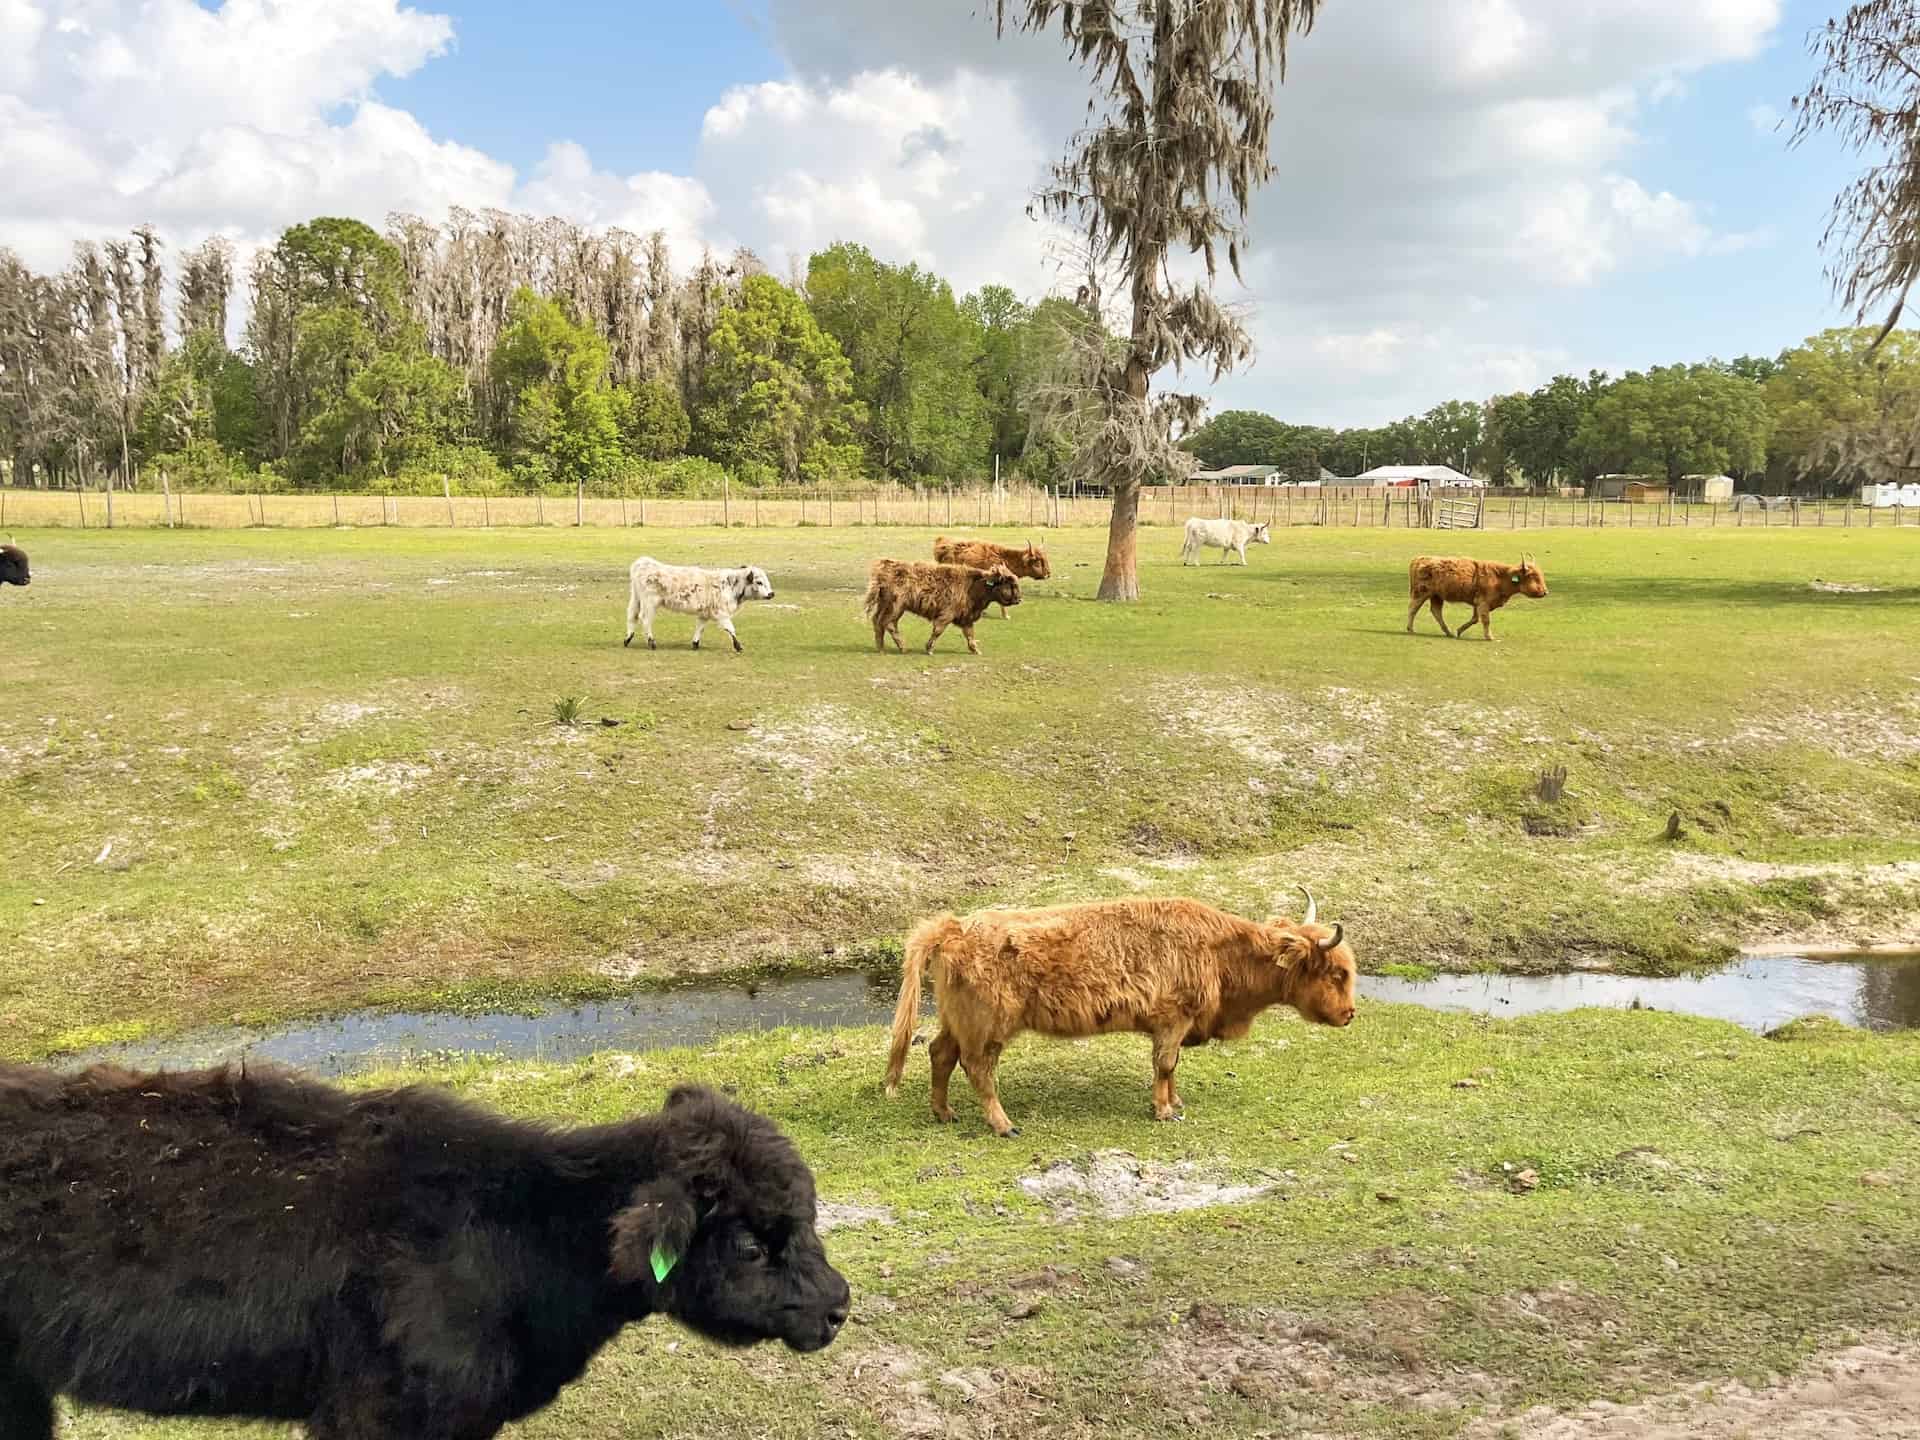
841, 1215
1114, 1184
818, 741
1331, 737
893, 1383
1868, 1390
1274, 1356
1837, 587
382, 777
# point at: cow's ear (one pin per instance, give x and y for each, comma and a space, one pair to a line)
1295, 951
652, 1234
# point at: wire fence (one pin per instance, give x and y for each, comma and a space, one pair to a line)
1015, 506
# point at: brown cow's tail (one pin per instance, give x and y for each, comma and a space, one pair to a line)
922, 945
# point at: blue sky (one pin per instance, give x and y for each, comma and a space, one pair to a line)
1470, 195
632, 82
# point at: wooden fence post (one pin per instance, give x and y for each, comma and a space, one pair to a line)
166, 500
726, 504
446, 489
829, 507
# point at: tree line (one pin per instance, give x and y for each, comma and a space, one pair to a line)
1840, 410
503, 351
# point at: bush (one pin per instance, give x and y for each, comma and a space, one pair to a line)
202, 465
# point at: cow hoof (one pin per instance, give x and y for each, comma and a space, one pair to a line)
738, 647
1012, 1132
696, 644
627, 641
943, 1118
650, 644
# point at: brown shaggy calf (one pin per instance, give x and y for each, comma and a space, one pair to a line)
1436, 579
1180, 971
13, 566
945, 594
380, 1264
1029, 563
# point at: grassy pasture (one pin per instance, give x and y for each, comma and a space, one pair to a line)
326, 766
1454, 1220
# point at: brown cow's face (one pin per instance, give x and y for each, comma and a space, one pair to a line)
1002, 588
1328, 976
1531, 580
1037, 563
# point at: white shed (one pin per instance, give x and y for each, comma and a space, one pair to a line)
1710, 487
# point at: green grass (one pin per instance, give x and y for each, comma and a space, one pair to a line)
329, 772
1699, 1213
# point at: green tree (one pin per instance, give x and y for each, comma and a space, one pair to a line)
778, 392
1676, 420
1504, 427
562, 421
1240, 437
1542, 442
1845, 413
1449, 434
914, 354
1002, 321
653, 422
327, 298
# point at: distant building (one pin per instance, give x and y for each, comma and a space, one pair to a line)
1234, 475
1426, 477
1641, 489
1708, 487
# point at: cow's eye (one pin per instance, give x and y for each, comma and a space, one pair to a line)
750, 1248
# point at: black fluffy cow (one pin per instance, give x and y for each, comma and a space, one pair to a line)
377, 1264
13, 566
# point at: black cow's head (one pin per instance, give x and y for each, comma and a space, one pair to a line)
13, 566
725, 1237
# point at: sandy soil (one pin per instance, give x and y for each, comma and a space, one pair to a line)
1868, 1391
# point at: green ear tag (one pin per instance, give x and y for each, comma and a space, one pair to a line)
663, 1264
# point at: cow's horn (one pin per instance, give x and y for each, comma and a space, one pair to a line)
1312, 908
1328, 946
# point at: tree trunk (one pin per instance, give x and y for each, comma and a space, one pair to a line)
1120, 581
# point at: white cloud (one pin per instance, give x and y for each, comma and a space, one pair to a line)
936, 173
1764, 119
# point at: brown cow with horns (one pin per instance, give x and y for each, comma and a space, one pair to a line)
1436, 579
1178, 970
1028, 563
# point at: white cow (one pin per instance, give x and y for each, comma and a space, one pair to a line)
1221, 535
707, 595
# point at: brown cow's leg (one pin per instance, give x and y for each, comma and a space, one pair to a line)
945, 1054
1461, 633
1413, 611
980, 1069
1486, 623
967, 630
938, 626
1166, 1055
1003, 612
1439, 614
